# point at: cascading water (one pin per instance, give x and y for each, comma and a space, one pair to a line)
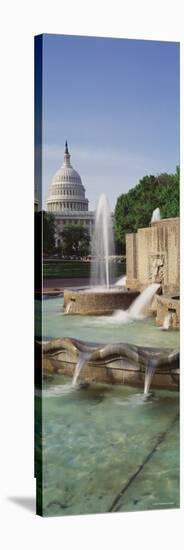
121, 281
68, 307
83, 357
150, 370
156, 217
102, 272
167, 321
137, 308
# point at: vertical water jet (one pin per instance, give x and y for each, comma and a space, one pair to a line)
102, 267
156, 216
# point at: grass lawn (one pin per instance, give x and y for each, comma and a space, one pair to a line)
72, 269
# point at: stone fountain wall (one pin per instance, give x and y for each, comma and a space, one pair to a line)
152, 255
97, 303
119, 371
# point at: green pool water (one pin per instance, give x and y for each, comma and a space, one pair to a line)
104, 448
56, 324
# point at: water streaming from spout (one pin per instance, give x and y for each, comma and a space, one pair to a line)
83, 357
121, 281
143, 300
149, 373
167, 321
102, 272
156, 217
137, 308
68, 307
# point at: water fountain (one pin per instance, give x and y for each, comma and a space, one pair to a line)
103, 249
138, 307
103, 296
167, 321
135, 353
156, 217
121, 281
114, 363
125, 362
149, 373
68, 307
83, 357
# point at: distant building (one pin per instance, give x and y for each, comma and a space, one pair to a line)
67, 201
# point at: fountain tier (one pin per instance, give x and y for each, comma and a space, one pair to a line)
118, 363
97, 302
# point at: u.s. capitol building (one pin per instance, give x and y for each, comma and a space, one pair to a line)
66, 199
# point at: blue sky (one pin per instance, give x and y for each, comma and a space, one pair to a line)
116, 101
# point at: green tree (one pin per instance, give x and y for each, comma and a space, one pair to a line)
75, 240
134, 209
48, 232
170, 196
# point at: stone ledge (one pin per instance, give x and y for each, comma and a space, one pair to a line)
99, 303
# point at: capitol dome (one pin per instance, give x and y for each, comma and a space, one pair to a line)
67, 192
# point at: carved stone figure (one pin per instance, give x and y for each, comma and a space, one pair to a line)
157, 269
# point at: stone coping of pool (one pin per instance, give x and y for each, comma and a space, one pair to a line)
81, 302
54, 291
48, 292
118, 363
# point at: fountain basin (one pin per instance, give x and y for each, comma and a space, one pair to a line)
82, 302
112, 363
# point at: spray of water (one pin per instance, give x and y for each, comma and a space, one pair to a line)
121, 281
102, 246
167, 321
137, 308
68, 307
83, 357
156, 217
150, 370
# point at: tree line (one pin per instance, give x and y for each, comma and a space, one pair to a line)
134, 208
74, 239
